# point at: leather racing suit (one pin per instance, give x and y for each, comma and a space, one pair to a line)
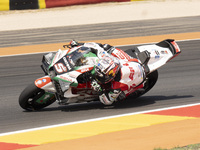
131, 72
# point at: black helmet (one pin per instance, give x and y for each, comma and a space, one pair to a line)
106, 69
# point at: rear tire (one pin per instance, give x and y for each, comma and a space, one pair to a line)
34, 98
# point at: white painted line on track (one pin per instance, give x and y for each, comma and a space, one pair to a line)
115, 46
97, 119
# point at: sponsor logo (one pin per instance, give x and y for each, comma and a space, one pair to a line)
157, 57
126, 64
102, 54
66, 63
121, 54
164, 52
66, 78
85, 69
157, 53
39, 82
132, 72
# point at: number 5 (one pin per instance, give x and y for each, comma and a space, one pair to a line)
60, 68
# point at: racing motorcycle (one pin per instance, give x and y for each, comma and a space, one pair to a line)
66, 70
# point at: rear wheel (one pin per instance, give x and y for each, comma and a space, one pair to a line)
34, 98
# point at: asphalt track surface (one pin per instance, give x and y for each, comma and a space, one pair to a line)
178, 82
99, 31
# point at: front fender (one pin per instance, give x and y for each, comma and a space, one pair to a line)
45, 83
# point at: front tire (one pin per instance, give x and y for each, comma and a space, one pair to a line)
34, 98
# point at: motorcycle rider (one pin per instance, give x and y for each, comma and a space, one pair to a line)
107, 73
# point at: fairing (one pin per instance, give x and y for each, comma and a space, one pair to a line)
67, 68
160, 54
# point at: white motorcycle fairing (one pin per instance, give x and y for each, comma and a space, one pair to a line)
132, 72
160, 53
138, 72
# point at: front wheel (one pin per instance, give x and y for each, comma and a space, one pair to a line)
34, 98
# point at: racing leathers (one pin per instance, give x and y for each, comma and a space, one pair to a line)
127, 78
131, 71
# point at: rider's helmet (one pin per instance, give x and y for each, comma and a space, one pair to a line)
106, 70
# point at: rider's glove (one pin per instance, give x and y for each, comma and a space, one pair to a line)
111, 96
114, 94
95, 86
104, 98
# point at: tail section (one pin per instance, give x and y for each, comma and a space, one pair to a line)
172, 45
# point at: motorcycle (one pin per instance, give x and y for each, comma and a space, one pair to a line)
66, 70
